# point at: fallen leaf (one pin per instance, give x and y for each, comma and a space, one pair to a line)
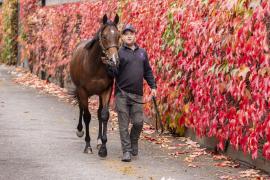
172, 148
227, 164
250, 173
192, 165
177, 153
220, 157
226, 177
189, 159
180, 145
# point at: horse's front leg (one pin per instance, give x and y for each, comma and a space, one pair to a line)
99, 142
105, 97
87, 119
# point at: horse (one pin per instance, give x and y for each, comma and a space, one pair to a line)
88, 72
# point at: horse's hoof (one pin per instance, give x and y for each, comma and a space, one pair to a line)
99, 143
88, 150
80, 133
102, 152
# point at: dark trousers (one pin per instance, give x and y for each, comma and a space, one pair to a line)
129, 111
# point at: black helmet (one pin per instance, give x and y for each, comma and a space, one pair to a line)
128, 27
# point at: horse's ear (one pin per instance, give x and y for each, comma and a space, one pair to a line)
105, 19
116, 19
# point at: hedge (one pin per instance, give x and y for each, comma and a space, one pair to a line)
208, 59
9, 29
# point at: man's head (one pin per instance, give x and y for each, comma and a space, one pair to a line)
128, 35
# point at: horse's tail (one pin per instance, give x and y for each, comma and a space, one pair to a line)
74, 95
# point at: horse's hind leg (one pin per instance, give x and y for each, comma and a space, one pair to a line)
83, 100
80, 131
105, 97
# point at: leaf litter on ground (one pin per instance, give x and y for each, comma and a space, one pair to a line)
190, 149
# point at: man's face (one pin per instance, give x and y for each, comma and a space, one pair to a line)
129, 38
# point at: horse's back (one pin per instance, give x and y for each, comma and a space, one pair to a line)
76, 62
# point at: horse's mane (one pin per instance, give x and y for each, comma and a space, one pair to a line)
90, 44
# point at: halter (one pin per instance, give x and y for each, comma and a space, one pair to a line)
104, 50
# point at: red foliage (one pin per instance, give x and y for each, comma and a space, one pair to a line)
218, 83
1, 30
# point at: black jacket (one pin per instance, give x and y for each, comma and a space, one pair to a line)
133, 68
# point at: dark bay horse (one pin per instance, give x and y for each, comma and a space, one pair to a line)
88, 73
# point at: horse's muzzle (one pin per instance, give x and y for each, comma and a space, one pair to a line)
114, 60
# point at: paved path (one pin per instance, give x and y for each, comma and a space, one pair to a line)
38, 141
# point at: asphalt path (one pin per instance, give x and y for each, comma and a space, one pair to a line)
38, 141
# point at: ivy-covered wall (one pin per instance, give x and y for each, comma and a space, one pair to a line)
9, 27
1, 30
208, 57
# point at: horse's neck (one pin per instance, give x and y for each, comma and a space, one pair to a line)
93, 61
94, 57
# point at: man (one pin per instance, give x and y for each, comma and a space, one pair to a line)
133, 68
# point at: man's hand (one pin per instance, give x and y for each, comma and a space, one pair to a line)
153, 92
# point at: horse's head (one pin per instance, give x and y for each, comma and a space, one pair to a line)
109, 40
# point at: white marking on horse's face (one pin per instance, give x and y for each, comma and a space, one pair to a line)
112, 31
114, 59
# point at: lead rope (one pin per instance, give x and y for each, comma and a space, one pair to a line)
158, 118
